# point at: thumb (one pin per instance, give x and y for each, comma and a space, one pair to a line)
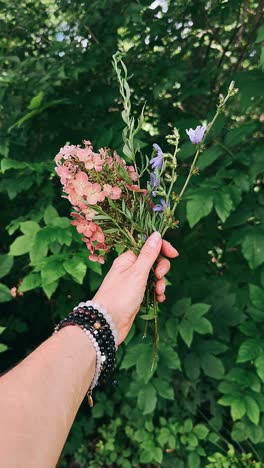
149, 254
125, 260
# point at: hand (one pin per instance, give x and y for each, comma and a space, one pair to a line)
123, 288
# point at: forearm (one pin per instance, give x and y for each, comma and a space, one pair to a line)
40, 397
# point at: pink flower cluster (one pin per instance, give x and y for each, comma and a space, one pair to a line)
88, 179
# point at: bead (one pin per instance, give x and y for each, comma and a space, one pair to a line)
97, 325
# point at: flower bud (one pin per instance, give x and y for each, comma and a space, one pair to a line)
231, 86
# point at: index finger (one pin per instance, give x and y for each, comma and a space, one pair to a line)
168, 250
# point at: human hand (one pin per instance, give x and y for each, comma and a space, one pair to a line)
123, 288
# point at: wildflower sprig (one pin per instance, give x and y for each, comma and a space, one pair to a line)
133, 126
120, 201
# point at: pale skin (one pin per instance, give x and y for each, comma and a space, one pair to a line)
40, 397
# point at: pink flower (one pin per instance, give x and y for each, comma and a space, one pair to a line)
136, 188
97, 258
104, 153
112, 192
87, 143
65, 173
98, 235
65, 152
132, 173
119, 160
93, 193
80, 182
84, 154
98, 162
82, 225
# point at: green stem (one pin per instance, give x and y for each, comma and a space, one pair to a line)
173, 180
156, 332
190, 172
199, 150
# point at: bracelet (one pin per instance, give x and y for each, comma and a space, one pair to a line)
92, 319
106, 315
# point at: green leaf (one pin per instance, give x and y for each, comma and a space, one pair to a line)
238, 409
6, 263
51, 271
194, 322
260, 36
164, 389
193, 460
237, 135
253, 248
201, 431
202, 326
5, 295
257, 296
50, 288
192, 366
76, 267
144, 363
3, 347
30, 282
168, 357
223, 204
199, 207
163, 436
29, 228
212, 366
21, 245
36, 101
199, 309
248, 351
239, 432
147, 399
186, 332
49, 214
252, 409
39, 248
188, 425
7, 164
259, 363
133, 353
209, 156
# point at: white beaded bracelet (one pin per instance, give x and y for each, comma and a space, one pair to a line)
106, 315
99, 358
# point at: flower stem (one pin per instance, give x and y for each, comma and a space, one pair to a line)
220, 108
156, 332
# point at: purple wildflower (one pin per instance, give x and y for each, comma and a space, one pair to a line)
196, 135
155, 182
161, 206
157, 161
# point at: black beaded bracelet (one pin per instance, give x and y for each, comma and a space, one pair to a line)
94, 324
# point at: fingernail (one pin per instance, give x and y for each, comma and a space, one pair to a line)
154, 240
162, 272
177, 253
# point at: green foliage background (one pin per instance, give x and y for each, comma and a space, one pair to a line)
204, 404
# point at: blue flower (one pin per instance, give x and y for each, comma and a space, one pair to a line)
155, 182
162, 206
157, 161
196, 135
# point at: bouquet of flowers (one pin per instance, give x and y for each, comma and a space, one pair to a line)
119, 201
